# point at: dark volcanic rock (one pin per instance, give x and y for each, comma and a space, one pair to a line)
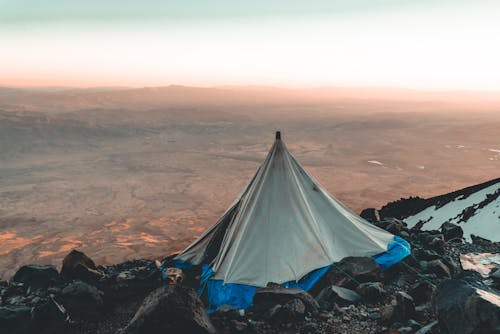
431, 328
293, 311
170, 309
426, 254
463, 309
495, 277
130, 278
372, 292
16, 320
49, 319
439, 268
83, 301
37, 276
422, 292
451, 231
362, 269
400, 309
274, 294
77, 265
370, 214
405, 307
437, 244
454, 266
332, 295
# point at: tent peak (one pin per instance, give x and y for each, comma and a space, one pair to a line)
278, 135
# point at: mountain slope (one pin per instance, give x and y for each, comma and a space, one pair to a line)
476, 209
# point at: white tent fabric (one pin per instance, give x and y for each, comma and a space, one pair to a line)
283, 226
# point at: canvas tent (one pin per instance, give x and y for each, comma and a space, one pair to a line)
283, 228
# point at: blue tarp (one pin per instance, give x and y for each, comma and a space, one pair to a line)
396, 251
241, 295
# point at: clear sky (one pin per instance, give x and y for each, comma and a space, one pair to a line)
428, 44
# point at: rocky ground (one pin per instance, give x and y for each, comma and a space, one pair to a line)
428, 292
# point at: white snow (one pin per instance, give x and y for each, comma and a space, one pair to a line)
420, 167
485, 222
375, 162
493, 150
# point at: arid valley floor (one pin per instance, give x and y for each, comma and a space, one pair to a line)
140, 173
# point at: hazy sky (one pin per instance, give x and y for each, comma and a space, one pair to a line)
418, 44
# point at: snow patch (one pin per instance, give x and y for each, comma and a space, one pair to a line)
375, 162
484, 222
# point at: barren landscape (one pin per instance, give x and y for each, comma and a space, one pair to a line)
135, 173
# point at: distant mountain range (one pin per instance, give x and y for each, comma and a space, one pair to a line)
71, 99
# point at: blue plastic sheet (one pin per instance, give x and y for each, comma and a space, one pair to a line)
241, 295
396, 251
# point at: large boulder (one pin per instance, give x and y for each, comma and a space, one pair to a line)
439, 268
463, 309
422, 291
77, 265
83, 301
170, 309
16, 320
451, 231
49, 318
37, 276
274, 294
294, 310
361, 269
372, 292
332, 295
401, 308
129, 279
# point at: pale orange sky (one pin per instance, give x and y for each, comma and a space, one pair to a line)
449, 46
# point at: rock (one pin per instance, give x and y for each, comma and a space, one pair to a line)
336, 294
16, 320
405, 307
422, 292
370, 214
77, 265
454, 266
463, 309
372, 292
495, 277
294, 310
362, 269
170, 309
400, 309
83, 301
439, 268
413, 324
481, 241
426, 254
49, 319
274, 294
431, 328
37, 276
239, 326
437, 244
451, 231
